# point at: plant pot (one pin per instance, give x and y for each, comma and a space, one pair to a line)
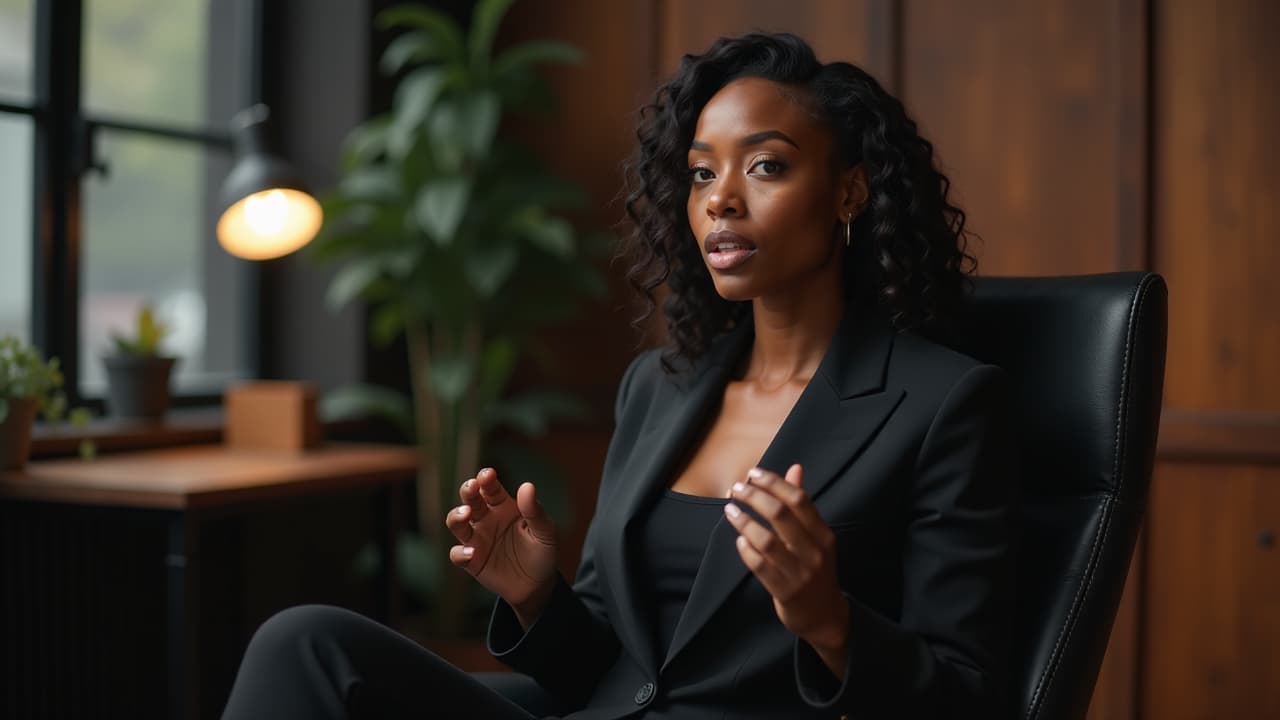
15, 433
138, 385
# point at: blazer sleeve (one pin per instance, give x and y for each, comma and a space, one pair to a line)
946, 655
571, 644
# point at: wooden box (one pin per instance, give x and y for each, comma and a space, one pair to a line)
271, 415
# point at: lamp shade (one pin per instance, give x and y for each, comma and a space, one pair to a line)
266, 211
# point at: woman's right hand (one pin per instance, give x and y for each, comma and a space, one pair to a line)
508, 544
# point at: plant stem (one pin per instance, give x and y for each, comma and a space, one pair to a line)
427, 416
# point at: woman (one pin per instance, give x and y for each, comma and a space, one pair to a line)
803, 512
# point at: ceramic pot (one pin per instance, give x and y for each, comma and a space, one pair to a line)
138, 385
15, 433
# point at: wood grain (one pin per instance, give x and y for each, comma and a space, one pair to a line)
1036, 124
205, 475
850, 30
1212, 607
1216, 214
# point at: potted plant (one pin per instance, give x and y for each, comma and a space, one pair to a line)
28, 385
137, 374
453, 235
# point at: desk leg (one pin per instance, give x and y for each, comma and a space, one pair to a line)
180, 566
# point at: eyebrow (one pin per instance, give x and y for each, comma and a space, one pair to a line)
752, 139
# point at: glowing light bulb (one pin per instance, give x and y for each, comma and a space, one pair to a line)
266, 212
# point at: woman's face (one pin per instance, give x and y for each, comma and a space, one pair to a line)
765, 197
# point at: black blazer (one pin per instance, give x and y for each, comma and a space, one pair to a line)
904, 449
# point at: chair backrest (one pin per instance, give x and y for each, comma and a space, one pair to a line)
1086, 358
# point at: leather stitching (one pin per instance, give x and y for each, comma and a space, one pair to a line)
1104, 525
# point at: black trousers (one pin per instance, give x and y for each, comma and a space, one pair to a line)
314, 661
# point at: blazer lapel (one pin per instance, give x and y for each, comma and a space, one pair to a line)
840, 410
686, 405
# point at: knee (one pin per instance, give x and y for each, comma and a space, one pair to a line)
296, 630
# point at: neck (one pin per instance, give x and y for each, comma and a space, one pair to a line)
792, 332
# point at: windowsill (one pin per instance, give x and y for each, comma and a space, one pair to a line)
181, 426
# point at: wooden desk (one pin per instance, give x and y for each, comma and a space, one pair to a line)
180, 492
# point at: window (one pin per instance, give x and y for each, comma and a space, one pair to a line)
115, 113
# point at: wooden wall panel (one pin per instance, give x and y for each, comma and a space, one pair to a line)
1217, 201
1212, 616
857, 31
1037, 111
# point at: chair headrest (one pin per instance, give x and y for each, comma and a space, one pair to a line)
1082, 352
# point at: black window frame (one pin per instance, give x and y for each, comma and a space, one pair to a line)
63, 138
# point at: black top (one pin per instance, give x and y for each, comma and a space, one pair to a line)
673, 540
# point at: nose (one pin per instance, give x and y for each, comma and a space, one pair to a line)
724, 200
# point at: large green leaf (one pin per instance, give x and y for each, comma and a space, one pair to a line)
386, 323
488, 267
484, 26
479, 114
531, 412
352, 280
442, 30
523, 56
419, 564
554, 235
371, 183
414, 98
411, 48
450, 376
357, 401
365, 142
440, 206
496, 365
449, 134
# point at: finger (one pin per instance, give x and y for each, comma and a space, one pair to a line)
790, 491
762, 541
458, 520
540, 523
470, 494
461, 556
777, 513
767, 572
490, 489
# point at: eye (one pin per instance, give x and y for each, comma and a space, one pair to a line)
768, 167
700, 174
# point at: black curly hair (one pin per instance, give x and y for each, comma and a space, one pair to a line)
908, 260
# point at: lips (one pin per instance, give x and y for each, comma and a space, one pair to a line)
727, 250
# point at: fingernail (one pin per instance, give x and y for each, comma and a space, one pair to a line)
732, 510
755, 473
461, 509
468, 552
739, 487
467, 484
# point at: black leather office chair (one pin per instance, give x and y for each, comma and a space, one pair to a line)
1086, 358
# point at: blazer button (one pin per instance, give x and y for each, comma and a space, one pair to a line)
644, 694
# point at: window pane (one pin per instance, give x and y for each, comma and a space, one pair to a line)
16, 49
172, 62
16, 240
148, 238
16, 31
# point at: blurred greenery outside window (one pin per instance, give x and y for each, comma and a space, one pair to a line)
158, 79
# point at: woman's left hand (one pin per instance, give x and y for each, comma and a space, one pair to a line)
795, 560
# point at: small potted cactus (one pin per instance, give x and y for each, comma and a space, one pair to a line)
137, 374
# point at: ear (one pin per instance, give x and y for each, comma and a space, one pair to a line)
854, 192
